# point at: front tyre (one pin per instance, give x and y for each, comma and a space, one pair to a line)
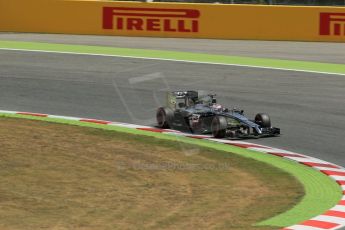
263, 120
164, 117
218, 127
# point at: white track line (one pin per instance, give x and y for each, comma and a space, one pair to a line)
174, 60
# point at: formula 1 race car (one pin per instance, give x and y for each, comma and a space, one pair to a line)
199, 113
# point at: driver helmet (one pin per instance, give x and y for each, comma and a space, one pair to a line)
217, 107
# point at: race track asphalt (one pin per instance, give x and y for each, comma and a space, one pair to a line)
309, 108
303, 51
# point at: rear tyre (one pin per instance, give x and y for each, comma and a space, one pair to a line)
164, 117
218, 126
263, 120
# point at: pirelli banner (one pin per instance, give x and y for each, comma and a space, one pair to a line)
174, 20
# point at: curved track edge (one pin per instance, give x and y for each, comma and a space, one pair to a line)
318, 177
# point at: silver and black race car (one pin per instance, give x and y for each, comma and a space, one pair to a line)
199, 113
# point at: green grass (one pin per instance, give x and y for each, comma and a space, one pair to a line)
182, 56
101, 174
321, 192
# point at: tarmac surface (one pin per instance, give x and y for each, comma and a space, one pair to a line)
304, 51
309, 108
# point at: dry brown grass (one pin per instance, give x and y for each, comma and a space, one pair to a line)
66, 177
